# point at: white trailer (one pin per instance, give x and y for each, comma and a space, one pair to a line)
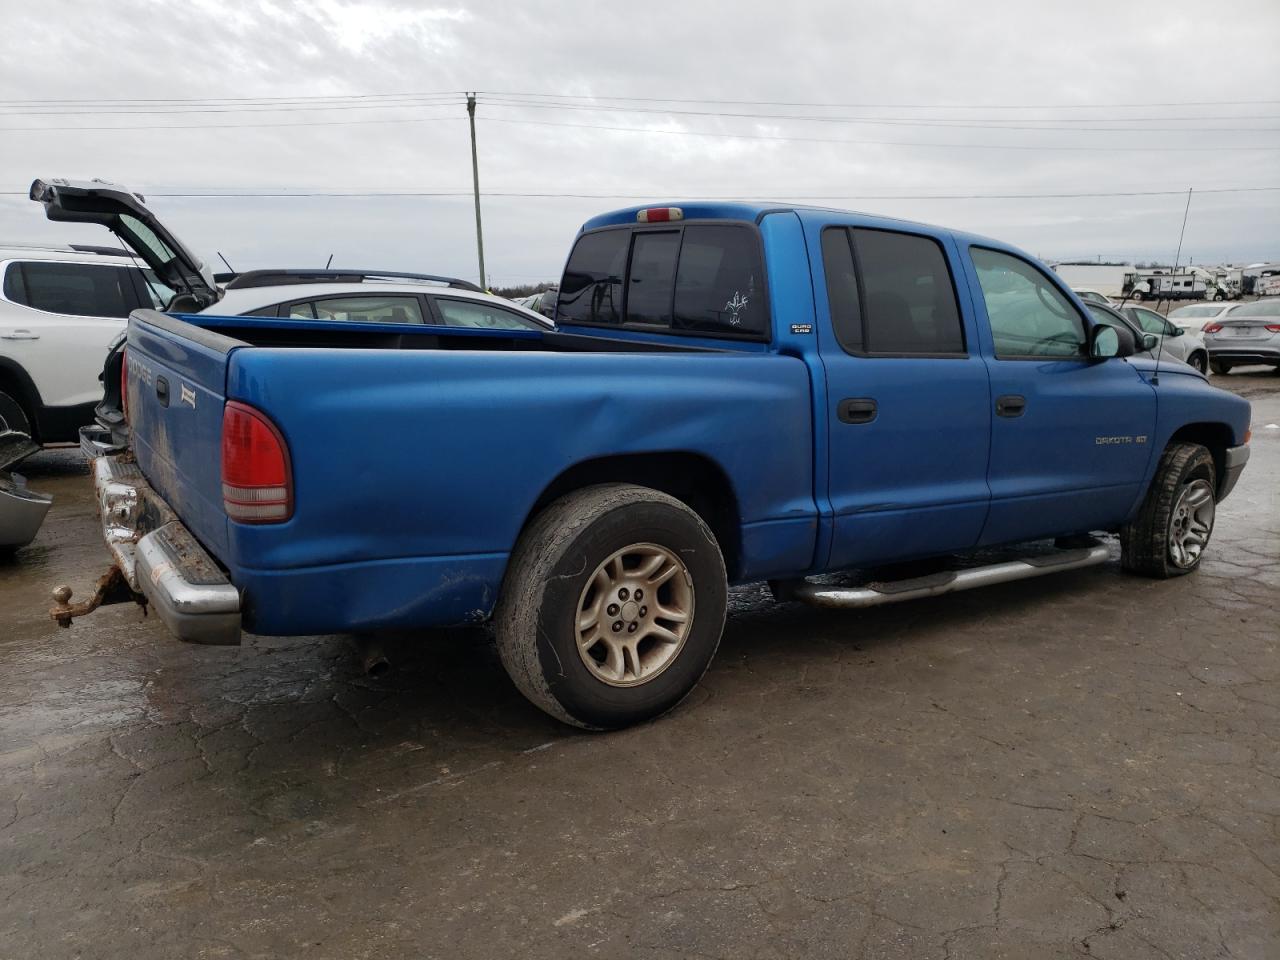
1106, 278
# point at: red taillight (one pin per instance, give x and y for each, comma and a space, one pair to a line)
124, 383
1212, 327
659, 215
257, 484
1272, 328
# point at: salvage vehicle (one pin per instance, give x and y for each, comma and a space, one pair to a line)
1249, 334
22, 510
60, 307
174, 279
1170, 340
734, 393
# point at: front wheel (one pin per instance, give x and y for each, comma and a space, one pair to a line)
1137, 296
1199, 361
612, 606
1168, 536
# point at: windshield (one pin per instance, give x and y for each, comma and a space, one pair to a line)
1262, 308
1195, 312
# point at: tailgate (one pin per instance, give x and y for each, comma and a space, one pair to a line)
177, 375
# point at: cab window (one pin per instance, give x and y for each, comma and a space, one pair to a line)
1029, 316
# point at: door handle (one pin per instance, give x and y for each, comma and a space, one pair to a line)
19, 335
162, 391
1011, 405
856, 410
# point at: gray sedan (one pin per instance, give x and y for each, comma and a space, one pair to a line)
1250, 333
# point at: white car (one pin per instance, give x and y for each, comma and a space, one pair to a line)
1094, 296
58, 324
1193, 317
60, 309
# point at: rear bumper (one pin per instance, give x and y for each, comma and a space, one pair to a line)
1242, 354
161, 560
1232, 467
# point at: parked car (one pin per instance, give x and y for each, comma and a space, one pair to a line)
22, 510
60, 307
345, 294
1172, 343
1249, 334
733, 393
1193, 317
1094, 296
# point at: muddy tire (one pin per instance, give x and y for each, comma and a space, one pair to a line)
12, 416
612, 606
1168, 536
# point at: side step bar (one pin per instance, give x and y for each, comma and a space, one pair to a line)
823, 595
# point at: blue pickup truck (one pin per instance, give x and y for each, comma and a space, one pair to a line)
733, 393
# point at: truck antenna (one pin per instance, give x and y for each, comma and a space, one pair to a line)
224, 260
328, 262
1155, 379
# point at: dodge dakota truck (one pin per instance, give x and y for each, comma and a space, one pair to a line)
733, 393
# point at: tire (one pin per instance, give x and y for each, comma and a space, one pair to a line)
12, 416
1199, 361
1168, 536
563, 566
1220, 368
1137, 296
1217, 297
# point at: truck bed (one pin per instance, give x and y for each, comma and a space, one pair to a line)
417, 456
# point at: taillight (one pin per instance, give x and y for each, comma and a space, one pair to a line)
257, 485
124, 383
1272, 328
1212, 327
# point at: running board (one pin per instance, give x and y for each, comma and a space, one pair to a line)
823, 595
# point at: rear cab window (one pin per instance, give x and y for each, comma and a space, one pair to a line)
694, 279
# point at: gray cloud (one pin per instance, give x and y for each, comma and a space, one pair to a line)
877, 52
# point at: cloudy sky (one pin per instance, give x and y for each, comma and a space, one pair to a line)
908, 109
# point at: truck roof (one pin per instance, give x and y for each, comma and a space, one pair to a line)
752, 211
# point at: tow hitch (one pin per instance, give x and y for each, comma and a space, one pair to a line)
110, 588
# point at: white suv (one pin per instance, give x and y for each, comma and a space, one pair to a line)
165, 275
60, 308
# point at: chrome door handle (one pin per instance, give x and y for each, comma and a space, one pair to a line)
19, 335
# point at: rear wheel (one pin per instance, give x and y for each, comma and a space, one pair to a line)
12, 416
612, 607
1217, 366
1168, 536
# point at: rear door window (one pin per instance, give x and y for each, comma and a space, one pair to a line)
74, 289
370, 309
482, 315
891, 294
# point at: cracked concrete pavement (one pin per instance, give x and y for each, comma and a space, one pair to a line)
1082, 765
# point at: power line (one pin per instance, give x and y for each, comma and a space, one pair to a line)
886, 143
1021, 124
267, 194
235, 126
253, 108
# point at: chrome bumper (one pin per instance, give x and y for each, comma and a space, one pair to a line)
1232, 466
95, 441
160, 559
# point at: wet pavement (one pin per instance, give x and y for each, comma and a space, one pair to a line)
1086, 764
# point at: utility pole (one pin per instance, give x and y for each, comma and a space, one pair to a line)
475, 180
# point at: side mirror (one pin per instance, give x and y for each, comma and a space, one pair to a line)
1150, 341
1106, 341
1175, 331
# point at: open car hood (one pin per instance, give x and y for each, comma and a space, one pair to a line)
125, 214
